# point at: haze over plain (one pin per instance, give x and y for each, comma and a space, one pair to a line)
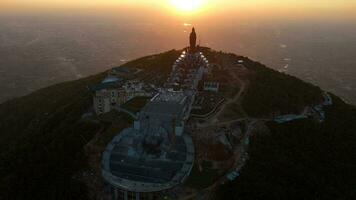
44, 42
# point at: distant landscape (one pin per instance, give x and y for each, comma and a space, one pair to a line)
38, 52
177, 99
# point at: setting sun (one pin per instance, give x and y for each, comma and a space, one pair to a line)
187, 5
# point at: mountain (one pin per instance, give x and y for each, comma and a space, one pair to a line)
49, 149
301, 160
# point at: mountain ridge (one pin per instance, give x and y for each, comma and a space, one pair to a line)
43, 135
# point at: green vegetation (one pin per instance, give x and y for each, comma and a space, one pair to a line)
229, 92
159, 63
42, 139
302, 160
42, 136
271, 92
210, 54
233, 111
202, 179
208, 102
156, 67
114, 122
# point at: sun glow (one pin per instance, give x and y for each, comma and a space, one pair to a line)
187, 5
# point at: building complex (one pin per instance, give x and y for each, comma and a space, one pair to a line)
156, 154
114, 91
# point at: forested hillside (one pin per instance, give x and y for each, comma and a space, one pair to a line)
271, 92
42, 138
301, 160
41, 142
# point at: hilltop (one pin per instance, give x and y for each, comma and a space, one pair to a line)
49, 150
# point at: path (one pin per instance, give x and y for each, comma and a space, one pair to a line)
214, 119
240, 161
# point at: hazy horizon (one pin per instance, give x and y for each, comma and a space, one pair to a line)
44, 43
199, 10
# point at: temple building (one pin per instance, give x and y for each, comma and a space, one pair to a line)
106, 95
153, 156
112, 92
156, 154
189, 68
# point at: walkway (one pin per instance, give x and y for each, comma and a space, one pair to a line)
214, 119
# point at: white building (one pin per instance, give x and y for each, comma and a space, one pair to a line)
113, 92
188, 70
106, 95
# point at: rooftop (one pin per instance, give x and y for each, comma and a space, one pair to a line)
110, 82
110, 78
128, 164
163, 109
170, 96
105, 85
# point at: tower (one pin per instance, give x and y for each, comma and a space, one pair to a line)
193, 40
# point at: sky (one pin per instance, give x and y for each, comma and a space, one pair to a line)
192, 8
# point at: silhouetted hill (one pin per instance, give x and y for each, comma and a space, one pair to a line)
42, 138
301, 160
271, 92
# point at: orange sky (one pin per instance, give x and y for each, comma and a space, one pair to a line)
241, 8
